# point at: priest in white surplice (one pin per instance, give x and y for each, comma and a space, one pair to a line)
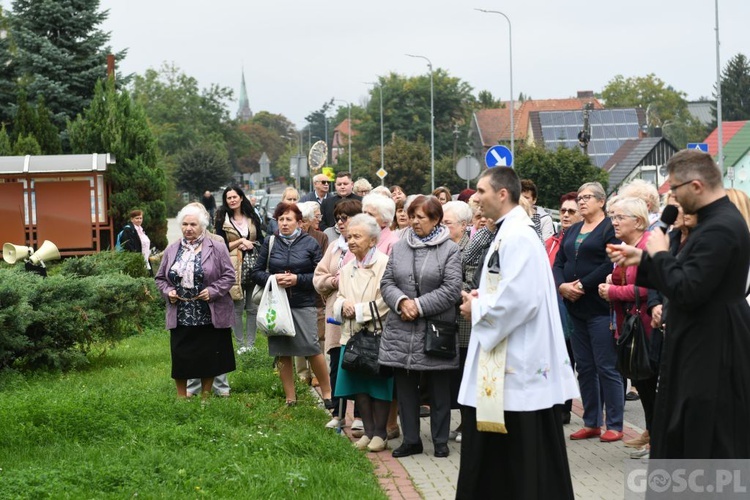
517, 367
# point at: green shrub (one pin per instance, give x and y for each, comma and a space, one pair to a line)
89, 301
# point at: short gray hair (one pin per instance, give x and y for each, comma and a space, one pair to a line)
386, 207
191, 209
362, 183
368, 222
307, 209
461, 210
596, 189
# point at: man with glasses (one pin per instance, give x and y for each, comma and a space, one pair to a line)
344, 186
702, 405
321, 185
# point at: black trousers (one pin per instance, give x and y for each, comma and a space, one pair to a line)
407, 385
529, 462
647, 392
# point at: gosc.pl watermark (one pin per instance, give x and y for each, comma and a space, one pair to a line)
687, 479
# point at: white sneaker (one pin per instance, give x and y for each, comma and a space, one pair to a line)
641, 453
458, 437
357, 425
334, 423
241, 350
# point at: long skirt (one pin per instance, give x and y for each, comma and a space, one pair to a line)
305, 342
529, 462
201, 351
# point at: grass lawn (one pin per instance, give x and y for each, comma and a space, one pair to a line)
117, 430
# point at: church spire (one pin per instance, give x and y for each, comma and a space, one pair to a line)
244, 113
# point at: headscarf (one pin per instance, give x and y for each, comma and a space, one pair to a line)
185, 265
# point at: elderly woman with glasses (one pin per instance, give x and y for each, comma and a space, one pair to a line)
195, 277
326, 282
580, 266
383, 210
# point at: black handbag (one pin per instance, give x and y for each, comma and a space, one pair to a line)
248, 261
439, 336
440, 339
361, 350
633, 359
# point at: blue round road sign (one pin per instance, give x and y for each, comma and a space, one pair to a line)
498, 156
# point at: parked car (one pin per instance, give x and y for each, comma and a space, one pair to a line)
268, 205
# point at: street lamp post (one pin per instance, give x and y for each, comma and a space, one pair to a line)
718, 95
432, 121
512, 104
349, 137
382, 150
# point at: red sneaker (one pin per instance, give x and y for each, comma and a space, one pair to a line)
611, 436
586, 433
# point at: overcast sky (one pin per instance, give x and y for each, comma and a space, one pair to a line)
298, 54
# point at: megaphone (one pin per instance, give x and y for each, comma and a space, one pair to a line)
47, 252
13, 253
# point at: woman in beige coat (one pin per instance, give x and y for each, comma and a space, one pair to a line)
359, 290
326, 282
239, 226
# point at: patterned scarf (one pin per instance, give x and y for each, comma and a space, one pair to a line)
435, 231
185, 265
289, 239
367, 260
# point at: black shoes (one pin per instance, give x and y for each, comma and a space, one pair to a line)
441, 450
406, 450
328, 403
632, 396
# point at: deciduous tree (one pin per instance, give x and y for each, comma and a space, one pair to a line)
557, 172
202, 168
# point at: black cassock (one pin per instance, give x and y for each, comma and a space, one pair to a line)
703, 398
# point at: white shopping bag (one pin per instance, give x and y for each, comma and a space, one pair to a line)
274, 314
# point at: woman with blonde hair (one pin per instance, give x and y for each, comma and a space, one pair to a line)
741, 201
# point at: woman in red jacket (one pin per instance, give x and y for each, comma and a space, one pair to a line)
630, 220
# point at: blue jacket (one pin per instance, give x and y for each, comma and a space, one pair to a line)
300, 258
589, 264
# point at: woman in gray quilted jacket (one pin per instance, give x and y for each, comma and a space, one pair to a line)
421, 282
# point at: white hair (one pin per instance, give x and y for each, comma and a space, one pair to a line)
386, 207
461, 210
368, 222
308, 209
362, 183
639, 188
408, 201
382, 190
191, 209
635, 207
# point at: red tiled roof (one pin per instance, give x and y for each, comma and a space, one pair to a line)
728, 130
494, 124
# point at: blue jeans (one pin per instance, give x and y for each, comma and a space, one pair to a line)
594, 351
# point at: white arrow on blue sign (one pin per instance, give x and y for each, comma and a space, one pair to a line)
700, 146
498, 156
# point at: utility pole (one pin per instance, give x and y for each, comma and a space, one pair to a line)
584, 136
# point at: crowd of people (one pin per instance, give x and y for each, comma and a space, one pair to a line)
533, 311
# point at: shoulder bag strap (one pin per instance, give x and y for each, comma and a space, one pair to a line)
637, 300
270, 247
375, 314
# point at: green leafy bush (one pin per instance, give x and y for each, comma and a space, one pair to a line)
90, 301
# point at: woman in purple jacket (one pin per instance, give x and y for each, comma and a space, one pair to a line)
195, 277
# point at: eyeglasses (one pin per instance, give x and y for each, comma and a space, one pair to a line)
323, 182
342, 218
678, 186
620, 218
584, 197
570, 211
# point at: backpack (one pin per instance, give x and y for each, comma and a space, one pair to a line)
118, 242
